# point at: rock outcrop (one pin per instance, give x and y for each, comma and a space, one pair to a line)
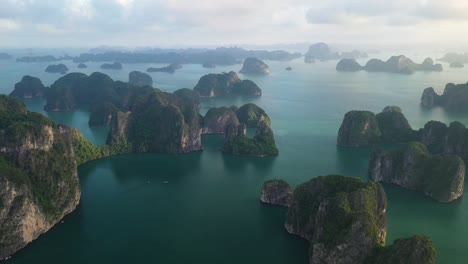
82, 66
252, 115
255, 66
140, 78
343, 218
446, 140
359, 128
28, 87
217, 120
348, 65
345, 221
364, 128
416, 249
395, 64
58, 68
38, 177
112, 66
216, 85
169, 69
262, 144
412, 167
276, 192
454, 98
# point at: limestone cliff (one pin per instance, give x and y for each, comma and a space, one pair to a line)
343, 218
359, 128
454, 98
28, 87
224, 84
216, 120
140, 78
255, 66
412, 167
276, 192
38, 177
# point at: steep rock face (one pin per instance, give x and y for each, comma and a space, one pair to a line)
429, 98
254, 66
140, 78
262, 144
58, 68
28, 87
412, 167
454, 98
451, 140
252, 115
343, 218
416, 249
215, 85
394, 126
348, 65
158, 122
216, 120
32, 198
276, 192
359, 128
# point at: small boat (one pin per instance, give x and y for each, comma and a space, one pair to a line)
165, 182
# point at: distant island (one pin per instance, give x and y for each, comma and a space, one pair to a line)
322, 52
82, 66
223, 84
453, 99
345, 221
28, 87
5, 56
413, 167
395, 64
112, 66
58, 68
453, 57
43, 58
255, 66
169, 69
456, 65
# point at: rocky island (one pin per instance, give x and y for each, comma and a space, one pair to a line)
33, 199
322, 52
112, 66
28, 87
456, 65
454, 98
412, 167
395, 64
364, 128
169, 69
453, 57
345, 221
82, 66
58, 68
140, 78
255, 66
5, 56
223, 84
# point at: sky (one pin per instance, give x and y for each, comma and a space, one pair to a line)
191, 23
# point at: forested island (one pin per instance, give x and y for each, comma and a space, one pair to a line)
433, 161
453, 99
345, 221
395, 64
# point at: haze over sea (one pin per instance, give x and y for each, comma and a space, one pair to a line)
209, 211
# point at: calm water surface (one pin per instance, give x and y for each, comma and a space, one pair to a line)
208, 212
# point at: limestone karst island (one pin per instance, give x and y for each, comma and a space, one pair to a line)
253, 132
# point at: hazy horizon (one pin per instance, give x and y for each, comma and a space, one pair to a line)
181, 24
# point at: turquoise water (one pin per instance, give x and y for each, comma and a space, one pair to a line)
209, 211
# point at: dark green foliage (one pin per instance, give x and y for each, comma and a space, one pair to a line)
395, 128
139, 78
12, 173
417, 249
251, 115
84, 150
101, 114
223, 84
347, 199
359, 128
28, 87
262, 144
